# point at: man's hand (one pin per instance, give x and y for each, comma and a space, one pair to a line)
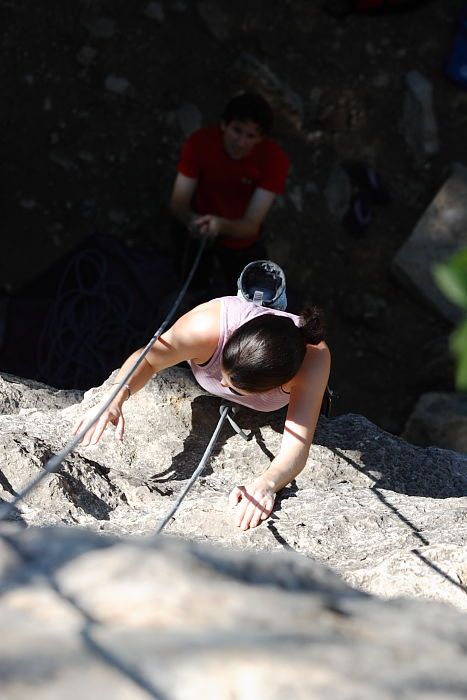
208, 225
253, 503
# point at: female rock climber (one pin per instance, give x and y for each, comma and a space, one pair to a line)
259, 357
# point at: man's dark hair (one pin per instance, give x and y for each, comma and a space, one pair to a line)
249, 106
267, 351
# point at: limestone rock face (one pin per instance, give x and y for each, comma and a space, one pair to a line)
17, 396
439, 418
97, 616
440, 233
390, 517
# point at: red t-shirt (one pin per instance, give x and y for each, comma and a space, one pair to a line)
225, 185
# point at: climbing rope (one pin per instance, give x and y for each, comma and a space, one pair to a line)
224, 410
53, 464
207, 453
89, 325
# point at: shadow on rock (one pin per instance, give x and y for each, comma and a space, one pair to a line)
205, 416
390, 462
83, 498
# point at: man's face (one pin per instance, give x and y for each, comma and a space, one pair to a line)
240, 137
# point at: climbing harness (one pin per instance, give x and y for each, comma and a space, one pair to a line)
238, 430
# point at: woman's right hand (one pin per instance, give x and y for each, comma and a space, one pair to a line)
112, 414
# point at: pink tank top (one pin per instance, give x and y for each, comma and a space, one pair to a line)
234, 313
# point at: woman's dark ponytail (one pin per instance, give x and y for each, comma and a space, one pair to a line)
312, 325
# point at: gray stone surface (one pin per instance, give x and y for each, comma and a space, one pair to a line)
258, 76
154, 10
17, 396
189, 118
127, 619
440, 419
86, 56
419, 121
391, 518
117, 84
217, 21
338, 191
100, 27
439, 234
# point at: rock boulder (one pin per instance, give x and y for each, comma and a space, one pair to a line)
97, 616
390, 517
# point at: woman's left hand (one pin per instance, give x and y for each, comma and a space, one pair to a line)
253, 503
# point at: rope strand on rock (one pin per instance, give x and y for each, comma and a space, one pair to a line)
207, 453
53, 464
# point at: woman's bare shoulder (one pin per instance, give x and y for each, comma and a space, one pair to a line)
204, 318
320, 350
316, 366
317, 358
197, 331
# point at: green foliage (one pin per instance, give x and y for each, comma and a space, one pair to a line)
459, 347
451, 277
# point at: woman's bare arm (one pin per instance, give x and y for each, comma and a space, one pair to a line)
193, 337
255, 501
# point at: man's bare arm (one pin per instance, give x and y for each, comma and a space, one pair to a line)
247, 226
180, 200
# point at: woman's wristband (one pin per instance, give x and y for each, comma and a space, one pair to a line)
124, 386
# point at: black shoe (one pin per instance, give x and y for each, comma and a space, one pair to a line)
364, 178
358, 215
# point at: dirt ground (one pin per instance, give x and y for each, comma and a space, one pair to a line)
97, 95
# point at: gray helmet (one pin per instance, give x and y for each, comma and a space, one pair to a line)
263, 283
